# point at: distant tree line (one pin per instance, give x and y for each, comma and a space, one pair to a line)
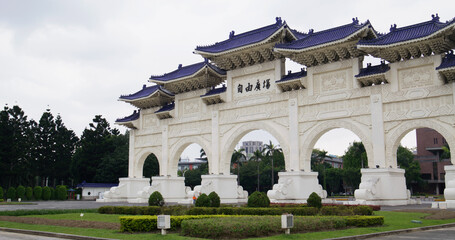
47, 153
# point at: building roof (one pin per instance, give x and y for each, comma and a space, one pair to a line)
215, 91
372, 70
448, 61
248, 38
167, 108
129, 118
96, 185
313, 39
409, 33
186, 71
291, 76
145, 92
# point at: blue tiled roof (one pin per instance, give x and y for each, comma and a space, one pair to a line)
145, 92
291, 76
447, 61
99, 185
215, 91
330, 35
129, 118
184, 71
371, 70
166, 108
407, 33
247, 38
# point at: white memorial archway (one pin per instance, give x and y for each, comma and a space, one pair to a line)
380, 104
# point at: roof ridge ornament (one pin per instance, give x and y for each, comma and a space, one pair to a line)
434, 17
393, 27
231, 34
310, 31
355, 20
144, 86
180, 66
278, 21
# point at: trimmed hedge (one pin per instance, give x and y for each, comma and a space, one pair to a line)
1, 193
29, 193
258, 226
11, 193
61, 192
203, 201
37, 192
46, 193
150, 210
214, 199
156, 199
20, 192
306, 211
314, 200
149, 223
258, 199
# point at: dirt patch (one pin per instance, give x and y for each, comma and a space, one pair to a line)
63, 223
435, 214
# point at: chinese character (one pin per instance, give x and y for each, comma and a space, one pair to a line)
258, 86
266, 84
249, 88
240, 88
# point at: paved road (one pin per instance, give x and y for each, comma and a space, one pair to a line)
18, 236
442, 233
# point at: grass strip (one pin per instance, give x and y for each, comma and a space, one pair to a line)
25, 212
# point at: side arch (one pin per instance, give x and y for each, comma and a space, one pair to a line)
313, 135
176, 150
140, 157
233, 136
394, 139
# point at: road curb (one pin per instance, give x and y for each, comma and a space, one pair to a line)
51, 234
381, 234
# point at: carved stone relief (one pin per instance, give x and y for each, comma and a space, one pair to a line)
148, 140
191, 128
415, 77
329, 82
418, 108
343, 108
149, 121
257, 112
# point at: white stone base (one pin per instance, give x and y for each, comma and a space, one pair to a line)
127, 190
382, 186
449, 191
224, 185
295, 187
172, 189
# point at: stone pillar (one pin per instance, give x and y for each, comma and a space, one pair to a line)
449, 191
294, 158
224, 185
382, 186
164, 152
131, 161
214, 166
295, 187
377, 131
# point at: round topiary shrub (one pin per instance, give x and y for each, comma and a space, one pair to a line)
258, 199
37, 192
203, 201
314, 200
1, 193
214, 199
53, 195
61, 192
156, 199
20, 192
11, 193
46, 193
29, 193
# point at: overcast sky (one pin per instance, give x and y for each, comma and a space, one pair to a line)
78, 57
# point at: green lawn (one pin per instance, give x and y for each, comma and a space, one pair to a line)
393, 221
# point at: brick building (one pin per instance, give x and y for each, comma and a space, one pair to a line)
429, 155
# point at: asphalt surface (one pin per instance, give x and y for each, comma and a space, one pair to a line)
19, 236
443, 233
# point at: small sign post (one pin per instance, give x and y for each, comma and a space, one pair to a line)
287, 222
163, 223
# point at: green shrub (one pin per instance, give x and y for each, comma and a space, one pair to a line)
20, 192
37, 192
255, 226
156, 199
203, 201
1, 193
61, 192
258, 199
149, 223
29, 193
363, 210
53, 195
214, 199
46, 193
11, 193
364, 221
314, 200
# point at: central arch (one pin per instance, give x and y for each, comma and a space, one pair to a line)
141, 156
323, 127
177, 149
233, 136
